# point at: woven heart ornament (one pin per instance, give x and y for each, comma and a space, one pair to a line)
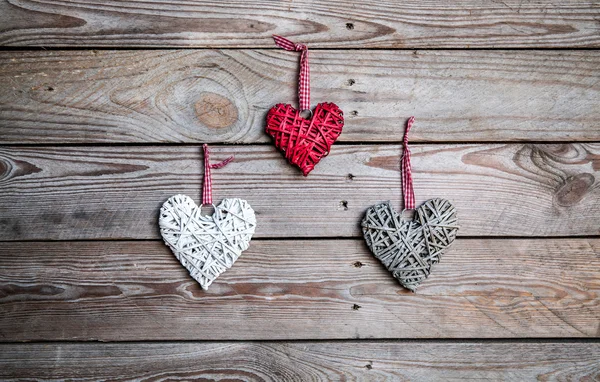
410, 248
304, 141
207, 245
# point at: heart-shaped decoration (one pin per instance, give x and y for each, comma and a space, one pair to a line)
206, 245
409, 248
305, 141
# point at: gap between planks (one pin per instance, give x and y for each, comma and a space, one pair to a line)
305, 238
342, 143
4, 48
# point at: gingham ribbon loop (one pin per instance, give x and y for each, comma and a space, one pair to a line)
406, 172
207, 187
304, 78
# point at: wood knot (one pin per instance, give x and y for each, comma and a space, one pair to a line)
11, 168
216, 111
4, 168
574, 189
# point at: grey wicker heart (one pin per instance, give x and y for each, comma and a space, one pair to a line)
409, 248
206, 245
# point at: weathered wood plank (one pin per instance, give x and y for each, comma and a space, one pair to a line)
223, 96
318, 289
355, 24
304, 361
67, 193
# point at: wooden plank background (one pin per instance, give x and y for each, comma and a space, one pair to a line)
343, 24
66, 193
304, 361
95, 137
219, 96
298, 289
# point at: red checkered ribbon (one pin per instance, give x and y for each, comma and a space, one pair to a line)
207, 189
407, 182
304, 79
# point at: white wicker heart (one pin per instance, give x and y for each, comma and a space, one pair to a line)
206, 245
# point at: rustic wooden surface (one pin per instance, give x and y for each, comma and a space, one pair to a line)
68, 193
223, 96
291, 289
349, 24
95, 138
304, 361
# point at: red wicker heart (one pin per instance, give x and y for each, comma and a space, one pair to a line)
305, 141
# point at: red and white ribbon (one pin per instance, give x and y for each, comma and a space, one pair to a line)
207, 188
406, 172
304, 78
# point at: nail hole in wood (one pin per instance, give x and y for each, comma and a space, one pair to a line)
356, 307
349, 26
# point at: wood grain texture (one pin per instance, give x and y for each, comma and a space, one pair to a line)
223, 96
50, 193
304, 361
306, 289
355, 24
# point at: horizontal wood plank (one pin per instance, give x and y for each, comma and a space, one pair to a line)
317, 289
304, 361
50, 193
348, 24
223, 95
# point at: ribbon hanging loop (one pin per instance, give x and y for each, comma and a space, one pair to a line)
406, 171
207, 186
304, 77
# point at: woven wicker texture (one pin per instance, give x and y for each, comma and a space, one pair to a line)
206, 245
305, 141
409, 248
